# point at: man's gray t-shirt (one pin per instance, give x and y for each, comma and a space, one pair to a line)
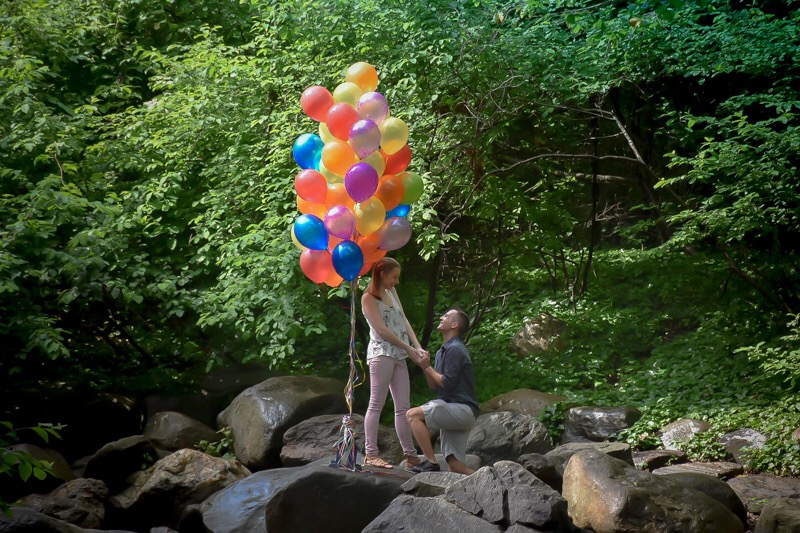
455, 366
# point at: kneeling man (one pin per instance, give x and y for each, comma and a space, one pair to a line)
455, 408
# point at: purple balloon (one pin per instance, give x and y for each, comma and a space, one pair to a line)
361, 181
340, 222
365, 137
373, 106
395, 233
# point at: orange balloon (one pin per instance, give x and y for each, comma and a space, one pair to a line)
333, 279
366, 268
338, 156
377, 255
333, 241
390, 191
364, 75
311, 208
369, 243
337, 195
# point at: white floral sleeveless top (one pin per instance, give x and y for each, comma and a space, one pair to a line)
393, 319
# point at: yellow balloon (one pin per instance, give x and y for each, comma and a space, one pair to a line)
347, 92
329, 176
295, 241
394, 135
324, 133
376, 161
364, 75
370, 215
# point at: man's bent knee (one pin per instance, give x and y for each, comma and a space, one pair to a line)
415, 413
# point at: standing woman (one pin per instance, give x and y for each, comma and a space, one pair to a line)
391, 341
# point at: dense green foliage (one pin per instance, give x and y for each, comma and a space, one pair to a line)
630, 168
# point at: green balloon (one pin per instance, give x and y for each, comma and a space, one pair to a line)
413, 185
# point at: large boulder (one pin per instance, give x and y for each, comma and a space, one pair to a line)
81, 502
507, 494
779, 516
160, 494
756, 490
504, 436
314, 438
560, 456
173, 431
542, 467
117, 460
714, 487
537, 335
740, 443
524, 401
430, 484
611, 496
428, 515
11, 489
672, 435
652, 459
314, 497
596, 424
719, 469
261, 414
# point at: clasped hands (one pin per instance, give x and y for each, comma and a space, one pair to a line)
420, 357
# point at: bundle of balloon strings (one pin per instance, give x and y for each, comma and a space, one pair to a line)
346, 450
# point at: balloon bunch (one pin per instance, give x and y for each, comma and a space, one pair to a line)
353, 191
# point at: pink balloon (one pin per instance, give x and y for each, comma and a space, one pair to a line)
365, 137
316, 264
340, 222
373, 106
395, 233
361, 181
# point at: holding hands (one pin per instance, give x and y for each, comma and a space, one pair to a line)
420, 357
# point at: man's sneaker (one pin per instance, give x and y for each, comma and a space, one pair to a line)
425, 466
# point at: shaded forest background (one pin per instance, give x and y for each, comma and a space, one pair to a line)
630, 168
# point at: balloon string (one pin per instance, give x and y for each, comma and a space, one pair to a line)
346, 452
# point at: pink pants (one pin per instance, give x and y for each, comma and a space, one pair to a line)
388, 374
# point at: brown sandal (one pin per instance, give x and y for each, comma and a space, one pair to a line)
413, 460
377, 462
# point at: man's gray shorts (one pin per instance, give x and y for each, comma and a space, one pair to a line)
454, 422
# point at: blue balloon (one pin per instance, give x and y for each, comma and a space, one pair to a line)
310, 232
399, 211
307, 150
347, 260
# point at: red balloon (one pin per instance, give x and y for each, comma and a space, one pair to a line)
340, 119
316, 101
398, 161
317, 265
366, 268
311, 186
390, 191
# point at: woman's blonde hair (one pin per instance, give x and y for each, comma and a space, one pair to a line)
387, 264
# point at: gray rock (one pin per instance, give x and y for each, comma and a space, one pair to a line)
524, 401
721, 470
537, 335
160, 495
81, 502
117, 460
261, 414
173, 431
314, 497
481, 494
428, 515
755, 490
652, 459
681, 431
714, 487
505, 436
543, 468
430, 484
530, 501
608, 495
739, 443
779, 516
314, 438
596, 424
561, 455
29, 521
